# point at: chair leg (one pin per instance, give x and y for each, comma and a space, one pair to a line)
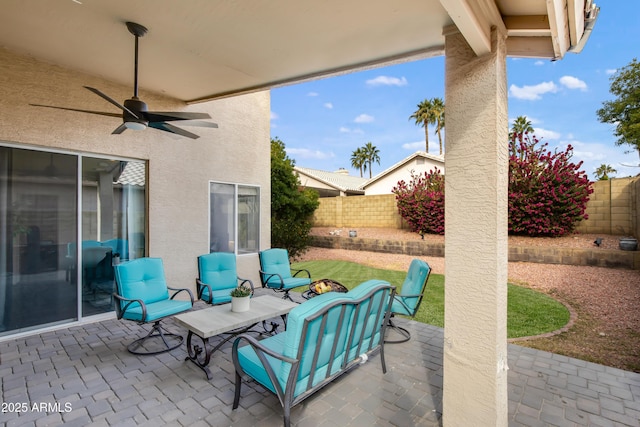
236, 398
156, 331
402, 331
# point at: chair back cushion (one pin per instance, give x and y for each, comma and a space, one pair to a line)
218, 270
414, 284
275, 261
143, 279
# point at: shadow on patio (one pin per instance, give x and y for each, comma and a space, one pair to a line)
83, 375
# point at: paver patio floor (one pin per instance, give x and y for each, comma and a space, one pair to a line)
84, 376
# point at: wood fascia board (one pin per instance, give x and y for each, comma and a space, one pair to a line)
530, 47
576, 10
559, 24
474, 21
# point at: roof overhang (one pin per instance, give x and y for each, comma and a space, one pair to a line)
198, 50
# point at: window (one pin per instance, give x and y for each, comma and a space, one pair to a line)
234, 218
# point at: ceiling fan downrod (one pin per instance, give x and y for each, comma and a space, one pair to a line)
138, 31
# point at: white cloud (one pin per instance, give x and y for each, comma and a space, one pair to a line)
387, 81
532, 92
344, 129
363, 118
611, 71
546, 134
274, 116
413, 146
328, 105
313, 94
538, 63
573, 83
305, 153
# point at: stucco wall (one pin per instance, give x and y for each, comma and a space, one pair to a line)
612, 210
179, 169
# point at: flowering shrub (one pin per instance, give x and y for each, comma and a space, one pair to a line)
421, 202
548, 193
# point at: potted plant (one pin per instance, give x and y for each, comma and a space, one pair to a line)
240, 298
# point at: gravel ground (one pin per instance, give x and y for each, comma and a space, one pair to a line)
606, 301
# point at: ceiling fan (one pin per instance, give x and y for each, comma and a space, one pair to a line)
135, 114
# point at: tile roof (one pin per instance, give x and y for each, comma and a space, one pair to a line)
338, 180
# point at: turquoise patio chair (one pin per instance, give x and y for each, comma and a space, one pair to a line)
276, 272
142, 296
217, 276
408, 300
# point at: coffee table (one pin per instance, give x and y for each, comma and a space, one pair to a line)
217, 320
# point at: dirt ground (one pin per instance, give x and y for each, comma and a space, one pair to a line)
605, 301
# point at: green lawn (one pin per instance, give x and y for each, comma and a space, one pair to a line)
528, 312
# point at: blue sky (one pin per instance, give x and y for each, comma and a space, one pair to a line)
322, 122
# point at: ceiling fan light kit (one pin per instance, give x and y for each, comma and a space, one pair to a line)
135, 114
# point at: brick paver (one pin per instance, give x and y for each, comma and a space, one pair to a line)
84, 376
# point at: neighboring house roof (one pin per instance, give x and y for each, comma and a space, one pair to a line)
340, 181
402, 163
133, 174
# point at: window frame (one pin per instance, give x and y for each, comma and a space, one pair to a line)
236, 216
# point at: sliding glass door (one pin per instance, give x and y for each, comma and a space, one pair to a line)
61, 231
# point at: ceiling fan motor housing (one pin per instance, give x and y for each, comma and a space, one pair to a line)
139, 108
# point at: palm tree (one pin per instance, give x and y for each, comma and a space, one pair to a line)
359, 160
437, 110
423, 116
372, 154
521, 125
603, 171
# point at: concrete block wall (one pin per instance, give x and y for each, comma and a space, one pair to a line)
612, 209
358, 211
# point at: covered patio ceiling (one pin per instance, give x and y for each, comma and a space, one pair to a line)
198, 50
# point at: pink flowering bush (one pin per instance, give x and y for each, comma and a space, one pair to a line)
548, 193
421, 202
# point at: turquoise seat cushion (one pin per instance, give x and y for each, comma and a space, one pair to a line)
222, 296
156, 310
290, 283
253, 367
398, 308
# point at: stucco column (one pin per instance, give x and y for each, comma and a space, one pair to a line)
476, 161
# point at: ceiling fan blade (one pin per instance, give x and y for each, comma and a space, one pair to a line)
198, 123
172, 129
101, 113
111, 100
169, 116
119, 129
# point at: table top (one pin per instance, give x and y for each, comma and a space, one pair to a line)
218, 319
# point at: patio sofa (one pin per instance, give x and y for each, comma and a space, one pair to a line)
325, 337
